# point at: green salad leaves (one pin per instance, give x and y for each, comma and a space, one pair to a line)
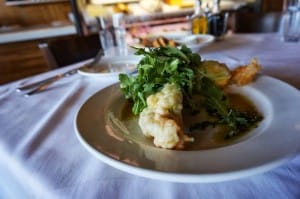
158, 67
217, 104
182, 67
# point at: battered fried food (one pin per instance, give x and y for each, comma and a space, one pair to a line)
162, 118
243, 75
158, 42
218, 72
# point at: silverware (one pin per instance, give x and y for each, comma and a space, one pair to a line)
47, 81
44, 84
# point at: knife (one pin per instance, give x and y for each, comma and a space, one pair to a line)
43, 84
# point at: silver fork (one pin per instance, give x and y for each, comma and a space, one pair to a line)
39, 86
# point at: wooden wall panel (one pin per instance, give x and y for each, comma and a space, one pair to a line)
272, 5
19, 60
35, 14
23, 59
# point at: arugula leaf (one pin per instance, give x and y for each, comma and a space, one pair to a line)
217, 104
159, 66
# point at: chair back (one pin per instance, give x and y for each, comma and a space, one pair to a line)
257, 22
65, 51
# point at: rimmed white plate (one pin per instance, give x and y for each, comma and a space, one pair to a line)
170, 35
194, 42
274, 141
112, 66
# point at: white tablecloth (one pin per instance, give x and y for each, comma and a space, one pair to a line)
41, 157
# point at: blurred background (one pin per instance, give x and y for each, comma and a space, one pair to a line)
26, 24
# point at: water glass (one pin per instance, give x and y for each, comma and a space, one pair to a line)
120, 33
112, 37
291, 22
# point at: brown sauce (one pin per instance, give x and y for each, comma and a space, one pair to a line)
211, 137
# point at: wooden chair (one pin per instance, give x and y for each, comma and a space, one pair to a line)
246, 22
65, 51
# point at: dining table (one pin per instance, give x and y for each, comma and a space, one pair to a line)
42, 157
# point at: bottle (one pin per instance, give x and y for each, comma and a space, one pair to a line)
199, 23
217, 21
207, 11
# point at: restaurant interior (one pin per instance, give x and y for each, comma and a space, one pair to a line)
142, 99
27, 27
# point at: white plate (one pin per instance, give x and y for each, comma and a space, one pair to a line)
194, 42
274, 141
112, 66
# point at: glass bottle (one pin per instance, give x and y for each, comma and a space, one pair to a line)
217, 21
199, 23
207, 11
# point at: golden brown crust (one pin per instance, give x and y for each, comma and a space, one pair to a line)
158, 42
218, 72
243, 75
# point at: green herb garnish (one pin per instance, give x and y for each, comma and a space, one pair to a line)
217, 105
158, 67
